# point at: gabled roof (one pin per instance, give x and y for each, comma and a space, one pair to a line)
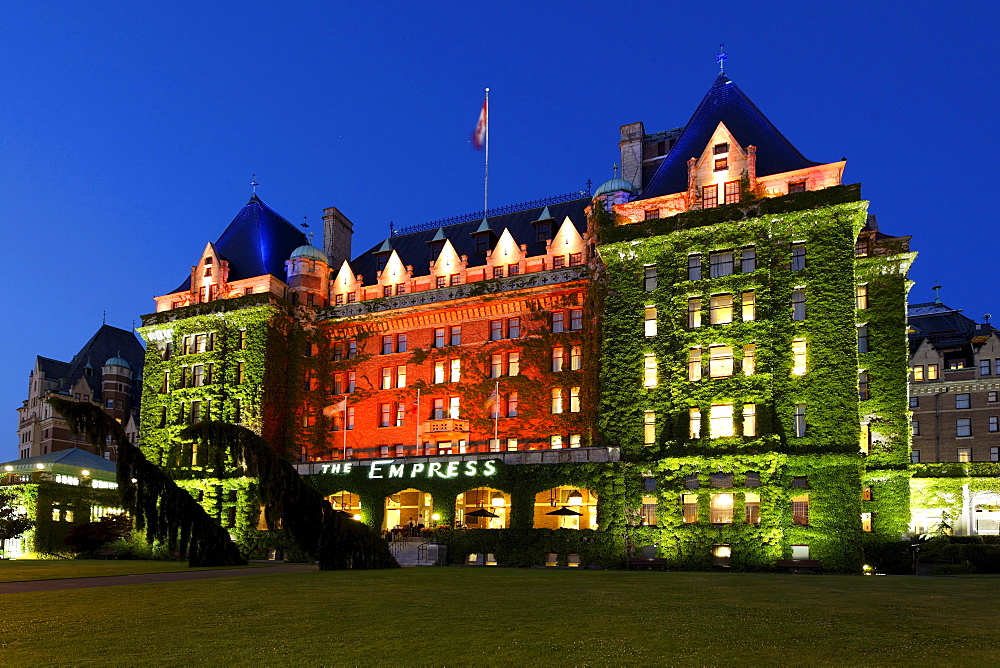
414, 250
725, 103
257, 242
74, 457
942, 325
52, 369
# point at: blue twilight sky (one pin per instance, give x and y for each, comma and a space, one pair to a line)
129, 131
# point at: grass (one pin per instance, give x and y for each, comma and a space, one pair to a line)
51, 569
467, 616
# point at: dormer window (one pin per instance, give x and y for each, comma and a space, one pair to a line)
208, 260
721, 164
719, 149
381, 261
482, 243
543, 231
436, 250
208, 271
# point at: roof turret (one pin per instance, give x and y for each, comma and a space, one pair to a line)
615, 185
311, 252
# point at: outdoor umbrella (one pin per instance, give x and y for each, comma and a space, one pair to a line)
565, 512
481, 512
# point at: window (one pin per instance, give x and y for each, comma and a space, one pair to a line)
694, 364
338, 299
511, 445
918, 373
649, 370
800, 510
496, 365
437, 409
798, 357
963, 401
720, 361
721, 164
720, 264
719, 149
558, 322
513, 328
648, 427
720, 421
649, 278
556, 401
386, 290
576, 319
915, 427
400, 414
710, 196
748, 303
862, 338
649, 327
647, 514
914, 456
752, 508
984, 367
798, 262
651, 214
694, 313
749, 419
384, 413
861, 297
496, 330
863, 386
543, 231
557, 359
748, 260
963, 427
558, 261
574, 400
694, 267
575, 358
513, 364
439, 337
800, 420
991, 397
352, 349
455, 370
994, 454
914, 402
749, 359
386, 345
965, 455
690, 508
575, 259
721, 508
732, 192
799, 304
197, 375
796, 187
932, 372
512, 405
720, 309
482, 243
456, 335
386, 378
694, 423
401, 343
555, 442
454, 405
455, 279
994, 424
352, 377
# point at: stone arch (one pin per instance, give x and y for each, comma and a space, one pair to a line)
406, 505
489, 499
566, 507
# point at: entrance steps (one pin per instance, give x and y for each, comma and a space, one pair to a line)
417, 552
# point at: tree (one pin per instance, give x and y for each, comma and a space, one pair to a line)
12, 523
92, 535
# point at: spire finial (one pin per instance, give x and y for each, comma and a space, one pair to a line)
937, 294
104, 317
253, 183
616, 170
721, 58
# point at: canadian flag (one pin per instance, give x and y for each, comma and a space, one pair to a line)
479, 134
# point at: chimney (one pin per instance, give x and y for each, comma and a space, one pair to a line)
337, 233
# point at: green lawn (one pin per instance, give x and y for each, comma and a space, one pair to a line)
28, 569
468, 616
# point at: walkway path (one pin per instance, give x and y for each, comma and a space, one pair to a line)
147, 578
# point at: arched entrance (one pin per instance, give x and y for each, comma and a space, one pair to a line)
474, 508
346, 502
566, 507
408, 508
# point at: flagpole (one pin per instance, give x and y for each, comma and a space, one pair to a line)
486, 183
345, 429
416, 419
496, 414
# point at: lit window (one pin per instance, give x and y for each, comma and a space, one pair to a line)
932, 372
721, 508
748, 260
866, 522
453, 408
648, 427
574, 400
556, 400
694, 423
439, 369
386, 378
694, 313
861, 297
720, 421
752, 508
798, 357
963, 427
650, 323
963, 400
720, 264
511, 445
555, 441
721, 309
798, 262
649, 370
732, 192
720, 362
721, 164
574, 441
400, 414
800, 420
559, 261
965, 455
384, 412
800, 509
575, 358
557, 359
799, 304
456, 370
649, 278
694, 267
575, 259
796, 187
749, 359
648, 513
513, 364
918, 373
454, 279
710, 196
496, 365
498, 272
749, 306
690, 508
694, 364
512, 405
865, 439
749, 419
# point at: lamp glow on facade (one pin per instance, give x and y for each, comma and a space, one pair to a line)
575, 498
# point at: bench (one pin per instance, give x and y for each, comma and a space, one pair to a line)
800, 565
648, 562
107, 554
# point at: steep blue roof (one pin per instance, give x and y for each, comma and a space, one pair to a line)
725, 103
257, 242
